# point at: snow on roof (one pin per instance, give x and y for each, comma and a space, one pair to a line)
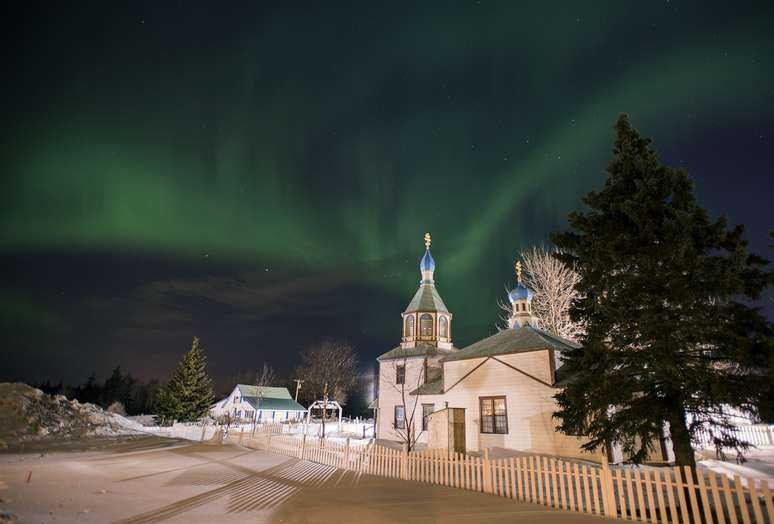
264, 391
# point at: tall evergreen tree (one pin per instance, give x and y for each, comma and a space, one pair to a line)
668, 338
188, 395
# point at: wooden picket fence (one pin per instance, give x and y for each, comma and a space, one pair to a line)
658, 495
755, 434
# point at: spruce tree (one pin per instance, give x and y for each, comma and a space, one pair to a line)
188, 395
669, 336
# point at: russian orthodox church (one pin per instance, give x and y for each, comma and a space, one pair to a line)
498, 391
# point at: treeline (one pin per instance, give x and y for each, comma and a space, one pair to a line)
135, 396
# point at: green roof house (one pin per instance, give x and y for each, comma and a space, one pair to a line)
259, 403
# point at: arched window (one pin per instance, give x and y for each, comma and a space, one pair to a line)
426, 325
443, 327
409, 326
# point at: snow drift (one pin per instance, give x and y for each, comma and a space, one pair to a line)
28, 414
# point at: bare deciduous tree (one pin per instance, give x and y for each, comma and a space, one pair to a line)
328, 370
266, 377
408, 434
553, 284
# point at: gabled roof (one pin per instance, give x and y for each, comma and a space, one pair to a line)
508, 341
420, 350
426, 299
264, 391
274, 404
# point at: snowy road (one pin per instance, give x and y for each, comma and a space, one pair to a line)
148, 480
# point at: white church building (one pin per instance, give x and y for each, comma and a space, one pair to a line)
505, 383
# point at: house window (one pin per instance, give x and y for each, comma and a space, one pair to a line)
236, 400
400, 417
426, 325
494, 416
409, 326
400, 374
443, 327
249, 414
427, 409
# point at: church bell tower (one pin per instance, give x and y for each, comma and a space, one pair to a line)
426, 320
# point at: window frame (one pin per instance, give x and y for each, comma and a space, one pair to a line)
443, 326
400, 374
426, 417
395, 417
423, 322
409, 330
493, 416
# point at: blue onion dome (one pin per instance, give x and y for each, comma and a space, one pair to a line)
520, 292
427, 263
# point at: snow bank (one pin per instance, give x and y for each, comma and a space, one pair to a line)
28, 414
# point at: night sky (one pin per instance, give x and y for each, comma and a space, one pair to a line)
262, 176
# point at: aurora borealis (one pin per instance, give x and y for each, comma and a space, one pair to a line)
262, 176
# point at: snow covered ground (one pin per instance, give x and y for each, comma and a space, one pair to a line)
148, 480
759, 465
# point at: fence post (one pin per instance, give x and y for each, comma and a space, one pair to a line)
608, 496
346, 455
303, 446
487, 472
404, 462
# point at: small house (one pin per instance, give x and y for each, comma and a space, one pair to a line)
259, 403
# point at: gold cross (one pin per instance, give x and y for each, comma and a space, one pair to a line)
518, 271
427, 240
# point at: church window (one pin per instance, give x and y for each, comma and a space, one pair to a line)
443, 327
400, 374
409, 326
426, 325
427, 409
494, 415
400, 417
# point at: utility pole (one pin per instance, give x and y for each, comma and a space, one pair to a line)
298, 382
325, 407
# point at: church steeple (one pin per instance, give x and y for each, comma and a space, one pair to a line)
426, 319
427, 264
520, 298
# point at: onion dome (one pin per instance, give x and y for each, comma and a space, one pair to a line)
520, 292
427, 263
426, 298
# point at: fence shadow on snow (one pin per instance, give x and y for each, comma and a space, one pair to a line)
658, 495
